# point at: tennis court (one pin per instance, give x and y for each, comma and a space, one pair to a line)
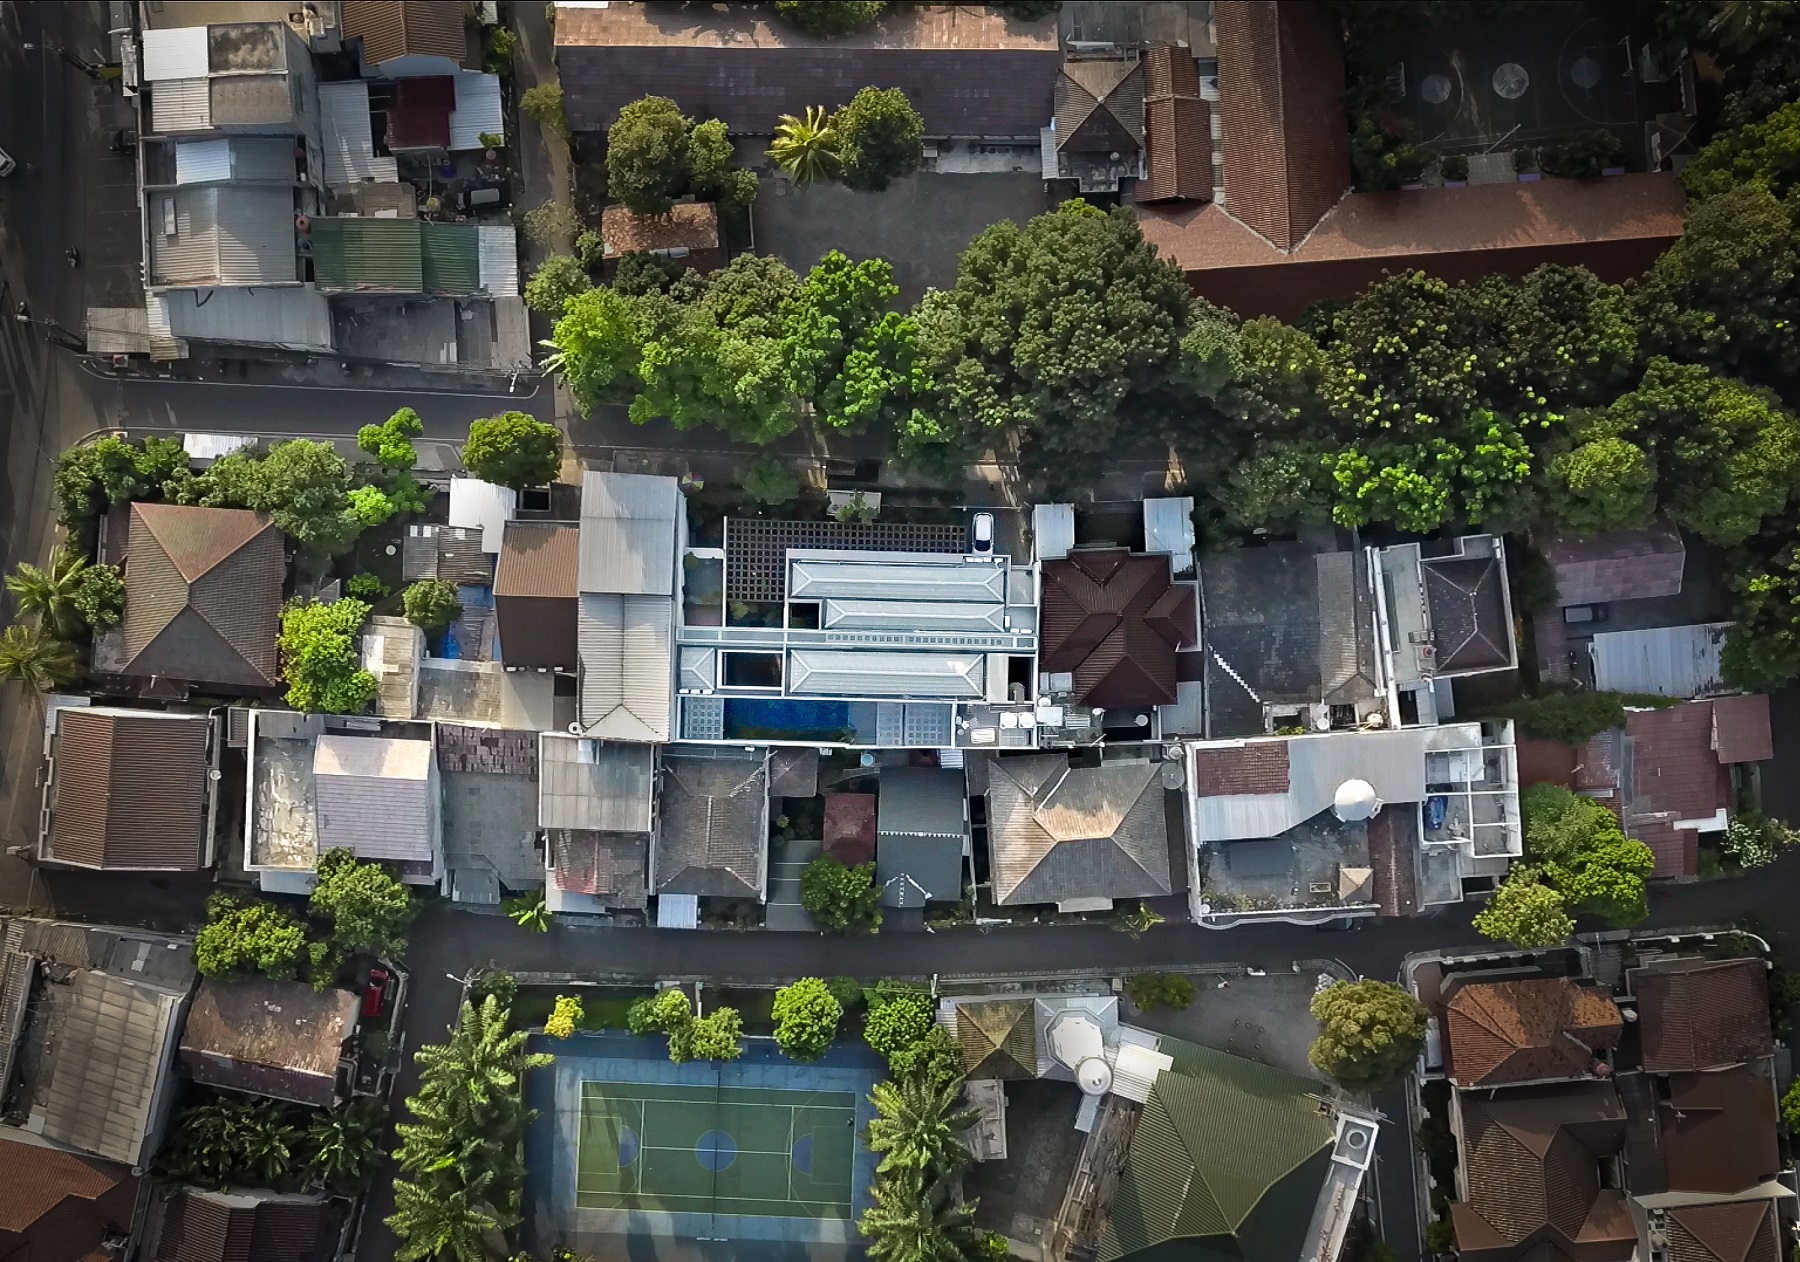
722, 1150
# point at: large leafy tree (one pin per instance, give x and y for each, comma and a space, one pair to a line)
366, 907
450, 1224
844, 900
234, 1141
432, 604
1526, 912
1603, 482
1051, 335
390, 443
806, 1018
513, 449
303, 485
880, 138
647, 162
1766, 152
897, 1024
1585, 855
826, 18
1370, 1032
846, 352
1762, 649
241, 937
557, 279
319, 657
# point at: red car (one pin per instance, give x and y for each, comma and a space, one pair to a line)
375, 993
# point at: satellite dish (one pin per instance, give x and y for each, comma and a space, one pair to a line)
1355, 801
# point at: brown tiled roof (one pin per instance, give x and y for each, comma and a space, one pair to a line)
270, 1037
1114, 620
998, 1038
1718, 1130
1530, 1162
968, 69
203, 595
607, 866
1741, 730
1617, 565
535, 598
226, 1227
713, 838
1253, 767
130, 790
1177, 129
1287, 144
1676, 776
850, 828
400, 28
1523, 1031
1746, 1231
1616, 227
1702, 1014
1100, 105
59, 1207
1469, 617
1393, 843
1545, 762
694, 225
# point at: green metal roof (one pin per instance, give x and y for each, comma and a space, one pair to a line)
1226, 1149
357, 255
452, 258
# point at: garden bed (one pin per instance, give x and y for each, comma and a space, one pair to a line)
602, 1007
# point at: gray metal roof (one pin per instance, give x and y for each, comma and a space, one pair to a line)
922, 824
893, 576
911, 615
373, 796
886, 673
348, 137
627, 658
223, 234
1059, 832
105, 1058
1169, 527
628, 533
1668, 661
595, 785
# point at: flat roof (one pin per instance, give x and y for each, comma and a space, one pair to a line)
961, 27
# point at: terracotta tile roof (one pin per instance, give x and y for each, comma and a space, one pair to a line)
1702, 1014
1393, 842
1741, 729
714, 826
1746, 1231
226, 1227
535, 597
1253, 767
1676, 776
1718, 1130
130, 790
1523, 1031
400, 28
1177, 129
688, 225
56, 1206
606, 866
1114, 620
850, 828
203, 595
1615, 226
1100, 105
1618, 565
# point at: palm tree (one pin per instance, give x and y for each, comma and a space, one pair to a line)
917, 1126
36, 659
915, 1221
530, 912
343, 1142
49, 595
266, 1139
806, 148
440, 1224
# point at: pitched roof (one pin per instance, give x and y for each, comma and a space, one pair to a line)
595, 785
1253, 767
998, 1037
715, 818
402, 28
1225, 1149
535, 597
604, 865
235, 1227
269, 1037
1114, 620
1741, 731
1747, 1231
850, 828
1718, 1130
1523, 1031
452, 553
1058, 832
1177, 128
1469, 620
57, 1206
1616, 565
627, 666
373, 795
1530, 1160
129, 790
1287, 145
688, 225
203, 595
1676, 776
1100, 105
1702, 1014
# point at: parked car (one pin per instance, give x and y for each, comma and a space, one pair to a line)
983, 533
375, 993
489, 196
1583, 615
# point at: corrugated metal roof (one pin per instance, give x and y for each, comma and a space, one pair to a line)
261, 159
595, 785
349, 138
925, 578
252, 100
538, 558
838, 672
296, 317
449, 258
107, 1037
1668, 661
359, 255
1169, 527
499, 249
175, 54
203, 162
223, 234
1053, 530
180, 105
477, 112
908, 615
627, 657
372, 795
129, 789
628, 533
482, 505
405, 28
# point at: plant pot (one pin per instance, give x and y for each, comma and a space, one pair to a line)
1530, 177
1456, 184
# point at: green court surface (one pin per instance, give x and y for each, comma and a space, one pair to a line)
715, 1150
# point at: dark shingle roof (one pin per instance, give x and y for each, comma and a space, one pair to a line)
1059, 832
56, 1206
203, 595
1718, 1130
229, 1227
1702, 1014
1468, 612
1522, 1031
1617, 565
1743, 1232
1114, 620
130, 790
714, 816
921, 826
607, 866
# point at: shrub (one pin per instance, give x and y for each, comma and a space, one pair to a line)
558, 279
590, 249
551, 224
1574, 717
1584, 155
1454, 166
543, 104
638, 273
99, 596
829, 18
1440, 1236
248, 937
488, 140
564, 1017
513, 449
1149, 990
897, 1024
497, 982
806, 1018
319, 659
432, 604
768, 479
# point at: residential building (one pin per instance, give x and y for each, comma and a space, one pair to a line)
1697, 1015
922, 836
490, 777
401, 39
202, 600
970, 71
1178, 152
633, 529
597, 807
271, 1038
89, 1018
1616, 565
352, 254
460, 690
1442, 615
537, 598
130, 790
190, 1225
688, 234
61, 1206
1668, 661
1096, 136
455, 554
1530, 1030
712, 838
483, 506
1113, 621
1349, 823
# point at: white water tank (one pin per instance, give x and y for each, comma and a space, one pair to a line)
1094, 1076
1355, 800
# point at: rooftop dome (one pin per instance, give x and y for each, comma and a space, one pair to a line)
1355, 800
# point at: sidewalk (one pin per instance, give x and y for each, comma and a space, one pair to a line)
278, 368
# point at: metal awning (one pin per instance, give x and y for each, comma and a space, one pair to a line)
677, 911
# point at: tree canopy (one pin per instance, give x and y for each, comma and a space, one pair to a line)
880, 138
1525, 912
366, 907
1370, 1032
806, 1018
318, 645
514, 449
241, 937
655, 154
843, 900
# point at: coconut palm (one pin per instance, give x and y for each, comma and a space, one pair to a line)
806, 148
36, 659
918, 1127
49, 595
912, 1220
441, 1223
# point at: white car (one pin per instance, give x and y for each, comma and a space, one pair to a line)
7, 165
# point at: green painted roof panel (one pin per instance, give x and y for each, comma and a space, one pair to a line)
361, 255
451, 254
